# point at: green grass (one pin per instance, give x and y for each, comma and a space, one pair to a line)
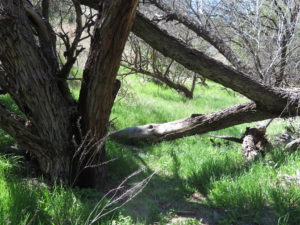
231, 191
31, 201
245, 192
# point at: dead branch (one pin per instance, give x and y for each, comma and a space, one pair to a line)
142, 59
228, 138
205, 33
195, 124
293, 144
254, 141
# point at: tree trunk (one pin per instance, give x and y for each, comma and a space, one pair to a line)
31, 84
49, 128
99, 86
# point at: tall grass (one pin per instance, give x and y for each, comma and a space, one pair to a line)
246, 192
25, 200
238, 192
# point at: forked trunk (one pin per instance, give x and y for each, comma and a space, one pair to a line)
64, 137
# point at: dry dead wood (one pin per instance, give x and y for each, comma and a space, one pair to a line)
293, 144
228, 138
253, 141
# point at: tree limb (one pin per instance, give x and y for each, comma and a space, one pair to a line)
14, 125
99, 76
268, 97
195, 124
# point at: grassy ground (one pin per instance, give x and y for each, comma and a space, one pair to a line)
196, 181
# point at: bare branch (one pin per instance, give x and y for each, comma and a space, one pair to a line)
206, 34
72, 51
141, 58
45, 9
206, 66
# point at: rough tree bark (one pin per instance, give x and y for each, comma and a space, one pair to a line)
195, 124
100, 86
254, 142
49, 128
29, 80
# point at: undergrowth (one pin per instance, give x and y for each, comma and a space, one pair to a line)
231, 191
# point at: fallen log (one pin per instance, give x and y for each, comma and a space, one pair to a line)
253, 141
195, 124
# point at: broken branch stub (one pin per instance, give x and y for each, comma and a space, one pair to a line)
254, 141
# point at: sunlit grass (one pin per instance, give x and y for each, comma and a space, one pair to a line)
244, 192
196, 164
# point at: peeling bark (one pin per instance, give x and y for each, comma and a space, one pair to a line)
254, 141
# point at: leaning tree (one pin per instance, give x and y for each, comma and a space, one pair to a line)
259, 40
66, 136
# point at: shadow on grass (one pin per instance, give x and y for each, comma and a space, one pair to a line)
162, 196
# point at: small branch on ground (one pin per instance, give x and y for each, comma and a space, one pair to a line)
228, 138
293, 144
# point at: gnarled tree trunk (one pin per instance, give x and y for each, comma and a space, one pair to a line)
50, 128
